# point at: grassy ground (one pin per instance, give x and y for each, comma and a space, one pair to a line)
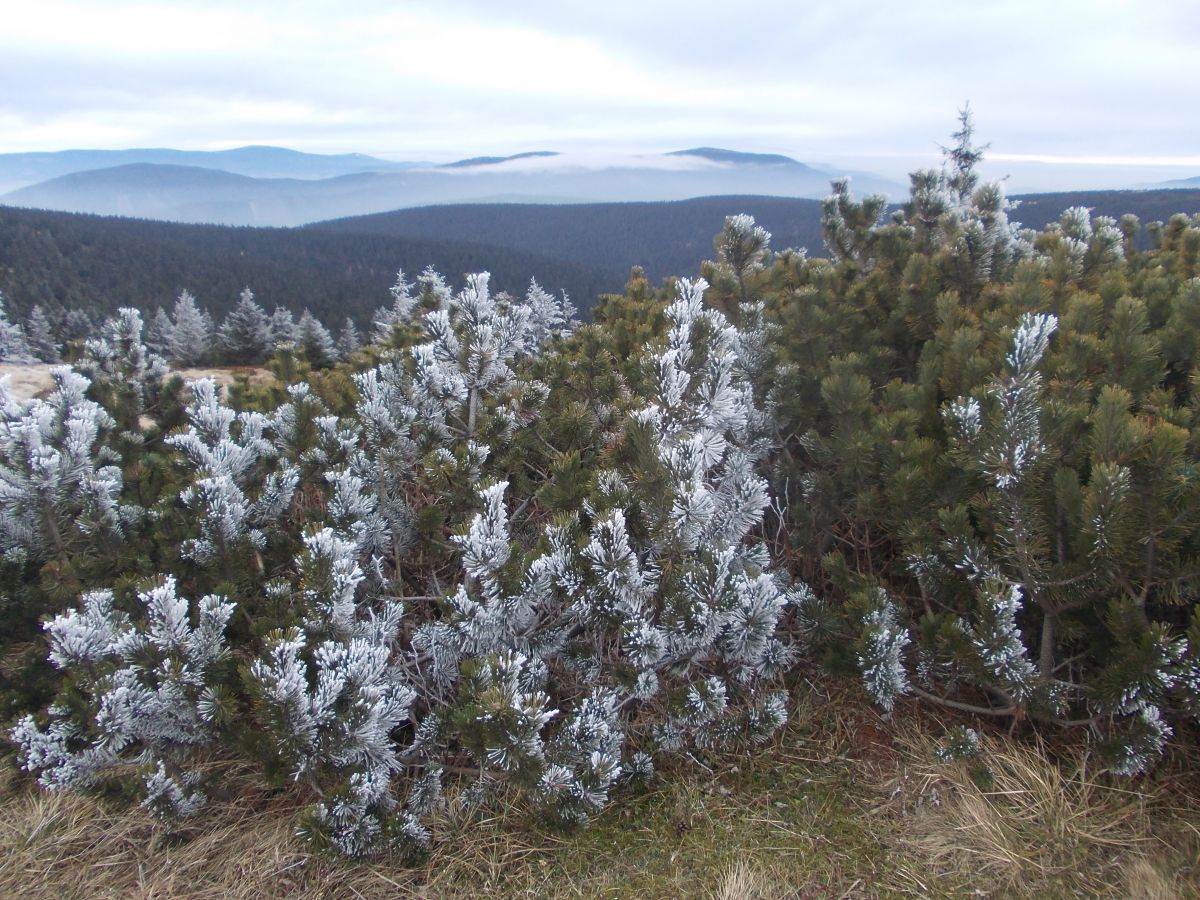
842, 804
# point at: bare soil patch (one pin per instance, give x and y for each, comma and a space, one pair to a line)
28, 380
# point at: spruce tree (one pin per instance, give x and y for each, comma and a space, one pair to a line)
76, 325
400, 313
13, 346
159, 332
244, 334
40, 337
314, 340
282, 329
348, 341
191, 335
548, 315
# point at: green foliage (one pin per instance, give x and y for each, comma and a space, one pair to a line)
1035, 519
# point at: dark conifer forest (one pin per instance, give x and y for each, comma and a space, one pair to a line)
344, 267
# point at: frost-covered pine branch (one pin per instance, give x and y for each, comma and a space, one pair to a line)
149, 692
237, 488
59, 482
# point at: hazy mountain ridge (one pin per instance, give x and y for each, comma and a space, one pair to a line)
737, 157
1193, 182
19, 170
190, 194
496, 160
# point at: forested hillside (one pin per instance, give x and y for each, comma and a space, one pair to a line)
344, 267
670, 238
1039, 210
65, 261
663, 238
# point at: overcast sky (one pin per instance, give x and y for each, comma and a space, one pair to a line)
1100, 82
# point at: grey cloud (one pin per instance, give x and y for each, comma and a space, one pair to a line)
814, 80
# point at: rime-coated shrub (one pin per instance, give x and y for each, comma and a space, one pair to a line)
560, 660
60, 488
143, 692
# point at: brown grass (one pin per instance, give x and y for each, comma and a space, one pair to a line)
227, 375
842, 804
1042, 827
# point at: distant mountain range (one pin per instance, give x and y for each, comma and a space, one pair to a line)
18, 170
1186, 183
266, 186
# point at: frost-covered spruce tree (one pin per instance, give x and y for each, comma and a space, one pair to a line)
126, 376
158, 333
281, 331
140, 692
191, 336
39, 335
548, 315
401, 313
13, 346
409, 301
315, 341
348, 341
243, 336
957, 221
950, 210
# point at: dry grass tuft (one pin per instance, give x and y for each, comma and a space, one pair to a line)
1038, 827
741, 881
1145, 880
